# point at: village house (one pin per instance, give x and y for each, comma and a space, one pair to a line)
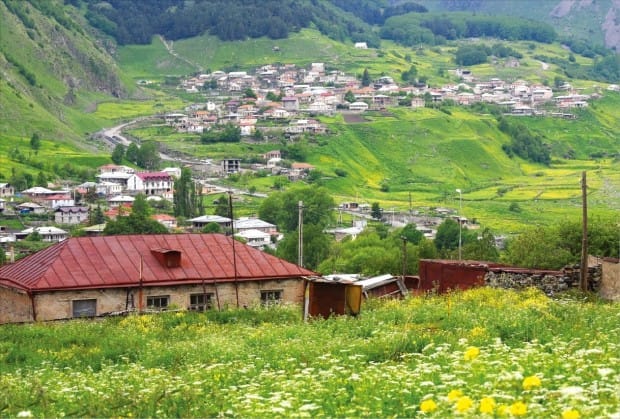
290, 103
255, 238
246, 223
30, 208
121, 210
114, 168
47, 233
6, 190
71, 215
358, 106
151, 183
199, 222
38, 192
94, 276
56, 200
166, 220
117, 200
230, 166
118, 177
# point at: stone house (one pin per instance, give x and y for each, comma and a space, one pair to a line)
71, 215
94, 276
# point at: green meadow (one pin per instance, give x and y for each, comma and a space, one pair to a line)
479, 353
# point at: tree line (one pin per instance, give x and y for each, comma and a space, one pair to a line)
135, 22
435, 29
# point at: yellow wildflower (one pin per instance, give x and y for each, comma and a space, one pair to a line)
463, 404
471, 353
428, 406
487, 405
518, 409
571, 414
454, 394
502, 410
531, 382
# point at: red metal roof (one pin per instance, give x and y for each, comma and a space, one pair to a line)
153, 175
114, 261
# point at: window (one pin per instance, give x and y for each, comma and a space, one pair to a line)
270, 298
157, 302
200, 302
85, 308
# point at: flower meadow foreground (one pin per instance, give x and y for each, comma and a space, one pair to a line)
480, 353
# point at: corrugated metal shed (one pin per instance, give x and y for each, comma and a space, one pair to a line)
116, 261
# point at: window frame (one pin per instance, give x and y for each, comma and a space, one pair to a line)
206, 304
158, 299
270, 298
89, 311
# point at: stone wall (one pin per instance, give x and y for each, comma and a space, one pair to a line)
550, 282
59, 304
610, 280
15, 306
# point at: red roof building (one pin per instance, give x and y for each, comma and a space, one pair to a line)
92, 276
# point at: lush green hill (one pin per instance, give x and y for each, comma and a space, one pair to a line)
591, 22
60, 81
425, 152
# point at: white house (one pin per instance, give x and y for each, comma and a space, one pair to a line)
358, 106
246, 223
57, 200
150, 183
203, 220
109, 188
48, 234
119, 178
175, 172
118, 200
255, 238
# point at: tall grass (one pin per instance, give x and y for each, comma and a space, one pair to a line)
510, 350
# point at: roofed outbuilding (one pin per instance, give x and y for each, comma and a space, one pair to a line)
107, 274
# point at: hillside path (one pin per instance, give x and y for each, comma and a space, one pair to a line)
170, 48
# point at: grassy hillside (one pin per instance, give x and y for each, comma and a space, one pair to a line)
53, 74
484, 352
429, 154
426, 153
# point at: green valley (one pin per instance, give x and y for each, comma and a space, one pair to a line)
399, 157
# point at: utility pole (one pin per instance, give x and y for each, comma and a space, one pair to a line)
300, 226
584, 240
404, 239
460, 224
232, 236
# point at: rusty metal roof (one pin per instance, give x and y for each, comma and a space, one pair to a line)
115, 261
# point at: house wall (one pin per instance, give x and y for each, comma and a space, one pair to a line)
610, 280
15, 306
59, 304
